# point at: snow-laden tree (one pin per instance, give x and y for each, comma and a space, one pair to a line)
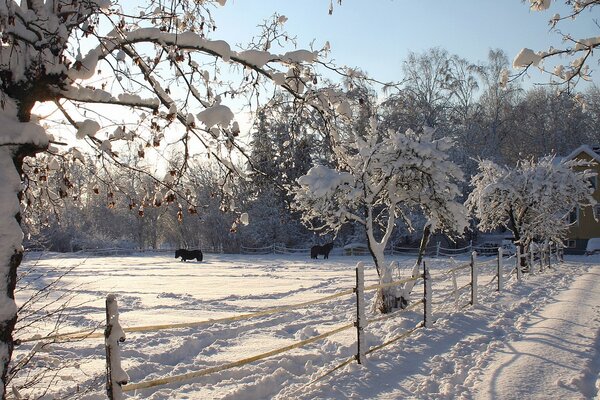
532, 199
128, 79
382, 180
578, 51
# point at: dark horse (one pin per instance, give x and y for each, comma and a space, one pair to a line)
188, 254
325, 249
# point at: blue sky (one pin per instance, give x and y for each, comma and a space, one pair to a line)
376, 35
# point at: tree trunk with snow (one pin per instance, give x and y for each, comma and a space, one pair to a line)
385, 300
11, 247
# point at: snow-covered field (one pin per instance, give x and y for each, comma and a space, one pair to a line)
539, 338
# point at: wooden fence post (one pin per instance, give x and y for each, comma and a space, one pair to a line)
531, 257
427, 297
360, 313
113, 334
473, 278
455, 287
499, 273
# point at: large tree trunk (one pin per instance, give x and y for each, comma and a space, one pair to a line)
11, 247
385, 299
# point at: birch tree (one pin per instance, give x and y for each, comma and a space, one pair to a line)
382, 180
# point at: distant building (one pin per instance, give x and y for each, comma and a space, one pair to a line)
583, 224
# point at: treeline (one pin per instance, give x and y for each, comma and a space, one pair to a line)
487, 116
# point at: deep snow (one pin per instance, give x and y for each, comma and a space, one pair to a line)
491, 350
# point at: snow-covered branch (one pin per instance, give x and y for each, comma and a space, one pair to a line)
579, 50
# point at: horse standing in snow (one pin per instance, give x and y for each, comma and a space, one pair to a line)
324, 250
188, 254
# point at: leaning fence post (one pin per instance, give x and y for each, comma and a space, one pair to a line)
473, 278
360, 312
113, 334
499, 273
437, 249
427, 297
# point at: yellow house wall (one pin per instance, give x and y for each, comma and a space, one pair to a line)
587, 227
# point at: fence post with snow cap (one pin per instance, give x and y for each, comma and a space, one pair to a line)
473, 278
360, 313
455, 289
500, 268
113, 334
532, 258
427, 297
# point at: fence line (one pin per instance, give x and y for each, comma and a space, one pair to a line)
395, 313
280, 248
239, 363
455, 269
257, 250
435, 250
119, 384
361, 353
153, 328
93, 334
391, 284
394, 340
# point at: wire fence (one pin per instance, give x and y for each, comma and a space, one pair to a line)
280, 248
436, 250
113, 333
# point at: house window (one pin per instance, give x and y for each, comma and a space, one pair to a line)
571, 244
597, 212
594, 182
573, 215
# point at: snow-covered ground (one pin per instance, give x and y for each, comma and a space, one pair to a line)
539, 338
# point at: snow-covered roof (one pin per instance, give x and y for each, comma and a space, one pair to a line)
592, 151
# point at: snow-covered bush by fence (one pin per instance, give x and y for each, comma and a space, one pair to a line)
383, 177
